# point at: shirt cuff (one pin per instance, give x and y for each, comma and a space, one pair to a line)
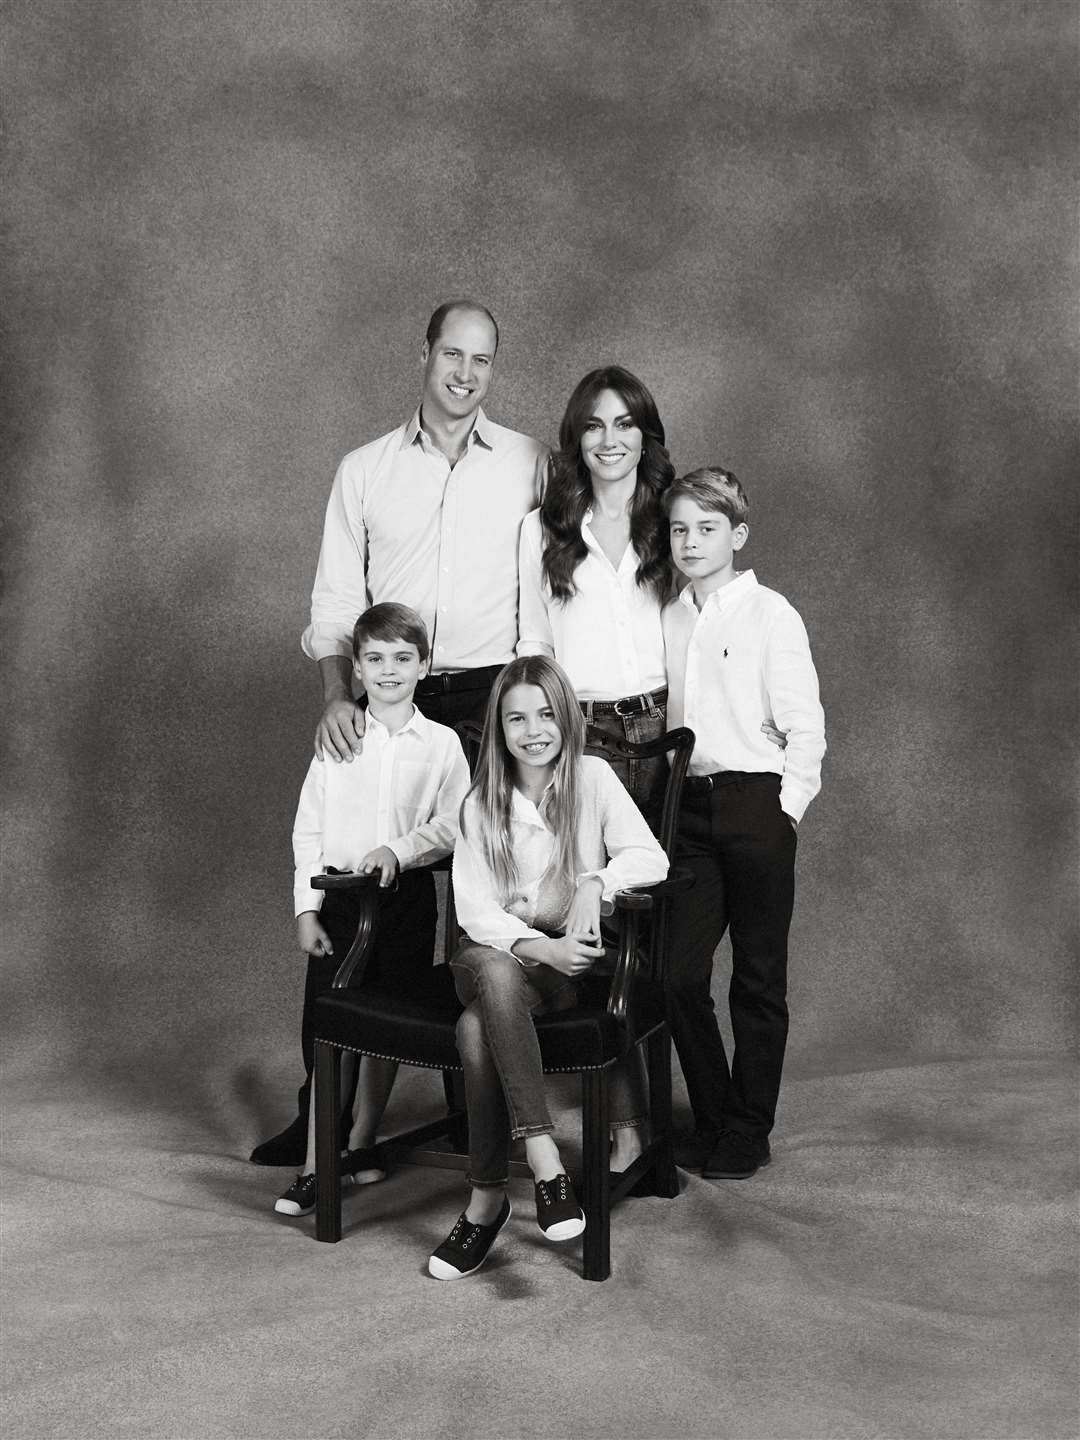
319, 642
793, 801
306, 899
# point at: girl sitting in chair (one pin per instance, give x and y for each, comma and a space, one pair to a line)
547, 837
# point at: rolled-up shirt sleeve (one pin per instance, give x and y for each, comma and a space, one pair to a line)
792, 685
436, 837
340, 592
476, 900
635, 857
307, 840
534, 626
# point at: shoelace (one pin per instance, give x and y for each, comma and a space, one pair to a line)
564, 1189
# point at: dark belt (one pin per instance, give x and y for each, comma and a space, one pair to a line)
627, 705
702, 784
449, 682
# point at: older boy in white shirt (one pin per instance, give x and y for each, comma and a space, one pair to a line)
738, 656
393, 809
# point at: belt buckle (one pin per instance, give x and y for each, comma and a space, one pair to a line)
625, 714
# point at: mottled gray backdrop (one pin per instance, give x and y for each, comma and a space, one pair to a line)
836, 239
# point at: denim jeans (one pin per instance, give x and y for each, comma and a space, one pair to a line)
644, 779
504, 1077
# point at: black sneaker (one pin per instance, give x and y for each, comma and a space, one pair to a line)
299, 1198
691, 1151
363, 1167
467, 1246
557, 1211
736, 1156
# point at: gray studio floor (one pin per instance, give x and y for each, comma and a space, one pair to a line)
905, 1268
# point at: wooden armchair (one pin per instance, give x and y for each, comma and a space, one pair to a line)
613, 1015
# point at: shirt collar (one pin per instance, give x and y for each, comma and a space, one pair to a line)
482, 433
720, 599
629, 557
418, 724
523, 809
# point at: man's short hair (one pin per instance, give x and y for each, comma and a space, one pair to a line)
712, 489
391, 622
438, 318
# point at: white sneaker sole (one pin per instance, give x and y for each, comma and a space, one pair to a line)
564, 1229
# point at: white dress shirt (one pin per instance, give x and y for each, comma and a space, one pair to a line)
403, 791
742, 659
607, 637
614, 843
404, 525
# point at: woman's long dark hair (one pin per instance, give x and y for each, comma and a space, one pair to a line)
568, 494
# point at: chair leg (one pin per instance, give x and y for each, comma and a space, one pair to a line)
665, 1175
458, 1130
327, 1142
596, 1197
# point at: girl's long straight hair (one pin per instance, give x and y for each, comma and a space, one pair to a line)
568, 493
493, 783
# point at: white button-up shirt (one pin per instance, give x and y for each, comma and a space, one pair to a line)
607, 637
745, 658
404, 525
403, 790
613, 840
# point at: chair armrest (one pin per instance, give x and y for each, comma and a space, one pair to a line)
367, 889
641, 897
629, 906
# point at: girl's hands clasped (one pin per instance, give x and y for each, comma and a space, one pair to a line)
573, 953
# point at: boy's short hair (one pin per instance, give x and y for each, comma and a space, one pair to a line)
712, 489
391, 621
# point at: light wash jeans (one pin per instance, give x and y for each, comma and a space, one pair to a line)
504, 1078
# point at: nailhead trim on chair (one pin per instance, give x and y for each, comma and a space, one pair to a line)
427, 1065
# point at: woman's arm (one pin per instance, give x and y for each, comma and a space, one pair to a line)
534, 625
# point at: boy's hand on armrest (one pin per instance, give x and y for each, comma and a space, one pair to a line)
778, 737
313, 938
340, 735
382, 859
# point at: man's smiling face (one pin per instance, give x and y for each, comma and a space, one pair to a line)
458, 366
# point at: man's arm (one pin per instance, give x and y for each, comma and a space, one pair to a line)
339, 595
340, 732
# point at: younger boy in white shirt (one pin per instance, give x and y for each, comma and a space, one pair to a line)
393, 808
737, 656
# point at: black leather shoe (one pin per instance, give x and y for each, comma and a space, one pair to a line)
287, 1148
736, 1156
694, 1149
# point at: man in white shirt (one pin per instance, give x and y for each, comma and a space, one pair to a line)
738, 656
428, 516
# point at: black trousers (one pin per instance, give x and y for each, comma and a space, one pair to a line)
740, 847
401, 957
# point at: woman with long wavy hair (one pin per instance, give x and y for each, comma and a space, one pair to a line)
593, 566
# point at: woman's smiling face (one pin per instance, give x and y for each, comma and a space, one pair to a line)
611, 442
